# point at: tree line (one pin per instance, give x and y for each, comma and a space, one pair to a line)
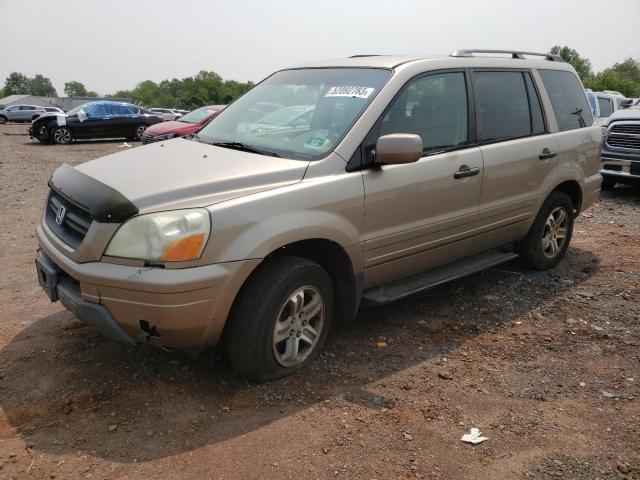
623, 77
207, 88
204, 88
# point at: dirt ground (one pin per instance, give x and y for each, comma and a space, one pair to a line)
547, 365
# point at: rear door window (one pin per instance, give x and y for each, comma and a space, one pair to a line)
568, 100
502, 104
605, 106
433, 107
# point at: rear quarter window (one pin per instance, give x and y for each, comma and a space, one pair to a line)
568, 100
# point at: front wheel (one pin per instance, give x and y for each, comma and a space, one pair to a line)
281, 319
62, 135
549, 236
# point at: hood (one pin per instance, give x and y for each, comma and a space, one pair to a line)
632, 113
183, 173
179, 128
50, 114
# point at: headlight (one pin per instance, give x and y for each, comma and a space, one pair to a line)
165, 136
163, 237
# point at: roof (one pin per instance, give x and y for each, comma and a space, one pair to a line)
372, 61
468, 60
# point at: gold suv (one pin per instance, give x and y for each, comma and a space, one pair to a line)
329, 184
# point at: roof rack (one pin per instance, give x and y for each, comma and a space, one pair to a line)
514, 54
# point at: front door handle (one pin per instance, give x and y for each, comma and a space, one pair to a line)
465, 171
546, 153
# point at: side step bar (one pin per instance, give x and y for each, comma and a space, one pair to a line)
392, 291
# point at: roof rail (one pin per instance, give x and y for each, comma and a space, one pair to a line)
366, 55
514, 54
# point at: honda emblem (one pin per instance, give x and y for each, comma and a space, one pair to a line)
60, 214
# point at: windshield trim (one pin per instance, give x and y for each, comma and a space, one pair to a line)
310, 157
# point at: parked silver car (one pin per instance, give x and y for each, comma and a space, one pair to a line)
21, 113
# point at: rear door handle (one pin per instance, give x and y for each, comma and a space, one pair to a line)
546, 153
466, 172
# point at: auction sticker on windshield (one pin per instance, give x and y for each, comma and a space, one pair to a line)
350, 91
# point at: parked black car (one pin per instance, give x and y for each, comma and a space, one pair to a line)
102, 119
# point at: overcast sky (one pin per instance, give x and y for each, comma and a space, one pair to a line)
112, 45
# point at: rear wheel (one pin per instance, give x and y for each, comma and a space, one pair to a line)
608, 183
140, 129
281, 319
549, 236
3, 119
62, 135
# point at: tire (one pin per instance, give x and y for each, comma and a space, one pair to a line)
3, 119
264, 326
543, 248
140, 130
608, 183
61, 136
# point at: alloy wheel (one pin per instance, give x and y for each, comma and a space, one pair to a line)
555, 232
140, 130
62, 136
298, 326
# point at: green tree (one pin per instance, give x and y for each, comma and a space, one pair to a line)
75, 89
569, 55
41, 86
16, 84
623, 77
91, 93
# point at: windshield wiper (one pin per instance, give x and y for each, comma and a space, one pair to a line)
244, 147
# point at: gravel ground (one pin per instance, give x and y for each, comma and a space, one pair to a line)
547, 365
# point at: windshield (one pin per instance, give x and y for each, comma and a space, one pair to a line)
197, 115
300, 114
74, 111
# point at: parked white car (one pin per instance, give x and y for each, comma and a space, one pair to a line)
168, 113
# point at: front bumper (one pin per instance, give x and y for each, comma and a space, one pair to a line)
624, 167
172, 308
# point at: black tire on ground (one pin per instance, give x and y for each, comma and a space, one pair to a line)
608, 183
250, 332
3, 119
535, 251
61, 135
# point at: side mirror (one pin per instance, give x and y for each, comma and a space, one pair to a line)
398, 148
626, 103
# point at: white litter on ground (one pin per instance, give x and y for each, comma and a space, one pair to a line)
125, 144
474, 436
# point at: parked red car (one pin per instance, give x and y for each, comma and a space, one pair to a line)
185, 125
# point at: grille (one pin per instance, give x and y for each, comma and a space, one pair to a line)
634, 129
634, 169
626, 135
75, 224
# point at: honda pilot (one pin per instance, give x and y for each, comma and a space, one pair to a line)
410, 171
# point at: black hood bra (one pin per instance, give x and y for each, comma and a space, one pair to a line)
103, 203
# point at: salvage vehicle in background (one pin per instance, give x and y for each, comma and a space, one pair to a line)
185, 125
103, 119
609, 102
621, 149
413, 171
168, 113
20, 113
